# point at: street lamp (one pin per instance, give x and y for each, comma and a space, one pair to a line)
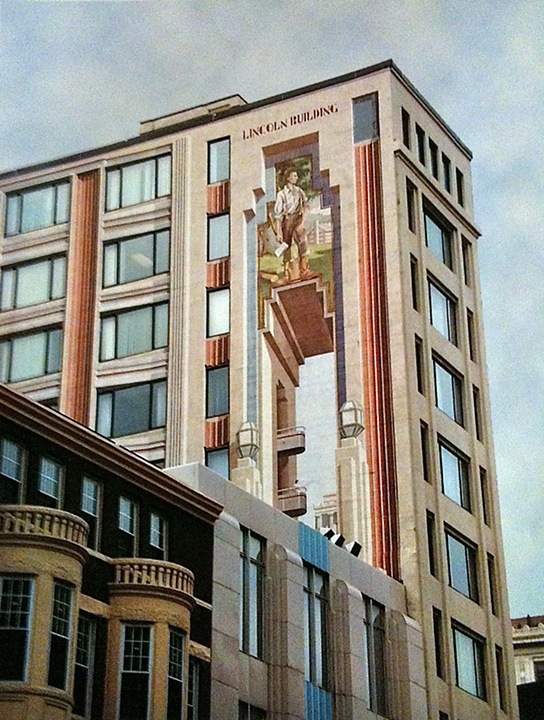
248, 440
351, 419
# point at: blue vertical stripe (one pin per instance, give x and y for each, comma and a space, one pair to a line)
313, 547
318, 703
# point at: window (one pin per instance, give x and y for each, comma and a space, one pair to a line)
499, 660
193, 689
538, 667
136, 258
462, 563
59, 647
411, 204
138, 182
217, 391
420, 137
449, 392
420, 366
16, 596
454, 472
218, 461
414, 278
218, 306
91, 496
250, 712
134, 331
218, 237
32, 355
131, 410
492, 577
12, 466
176, 672
218, 161
50, 479
467, 262
484, 489
406, 131
315, 626
460, 183
438, 238
365, 118
135, 672
431, 543
374, 621
425, 460
446, 172
84, 665
33, 283
477, 413
252, 548
38, 208
157, 536
443, 312
433, 151
127, 527
468, 649
471, 336
438, 642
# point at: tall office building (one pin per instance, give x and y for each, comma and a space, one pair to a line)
287, 291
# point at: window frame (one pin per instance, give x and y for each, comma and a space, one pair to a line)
431, 215
109, 411
478, 658
411, 205
439, 294
420, 143
49, 353
252, 594
210, 412
14, 302
375, 642
446, 172
59, 480
117, 243
433, 153
64, 641
113, 318
406, 128
86, 669
223, 327
123, 657
457, 392
93, 519
316, 626
212, 179
211, 219
211, 452
467, 572
20, 195
175, 677
13, 481
463, 474
9, 627
120, 168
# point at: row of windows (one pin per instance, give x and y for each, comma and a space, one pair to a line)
428, 151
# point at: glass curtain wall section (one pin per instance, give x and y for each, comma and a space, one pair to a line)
33, 283
37, 208
33, 355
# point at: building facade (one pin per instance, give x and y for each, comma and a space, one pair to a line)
237, 278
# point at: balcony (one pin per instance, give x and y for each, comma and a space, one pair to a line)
291, 441
153, 577
292, 501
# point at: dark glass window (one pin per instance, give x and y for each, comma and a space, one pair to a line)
454, 471
252, 549
499, 660
462, 565
136, 258
420, 137
84, 665
374, 621
131, 332
176, 674
91, 502
438, 237
471, 330
406, 130
218, 461
449, 392
492, 577
460, 182
468, 649
218, 161
431, 543
433, 151
16, 593
133, 409
438, 642
467, 262
135, 672
414, 278
365, 118
33, 283
138, 182
158, 533
446, 171
443, 312
316, 593
32, 355
50, 479
217, 391
420, 365
218, 237
12, 469
37, 208
59, 647
484, 489
425, 455
250, 712
193, 689
411, 204
477, 408
127, 524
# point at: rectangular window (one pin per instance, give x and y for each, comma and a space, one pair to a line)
12, 467
460, 183
425, 455
411, 205
131, 410
218, 161
61, 626
499, 661
218, 461
467, 261
484, 489
252, 549
454, 472
315, 626
420, 138
157, 536
218, 312
374, 621
33, 283
443, 312
462, 565
138, 182
91, 500
32, 355
438, 237
37, 208
135, 258
477, 413
438, 642
420, 366
468, 650
250, 712
433, 151
16, 600
365, 118
492, 577
414, 278
217, 391
127, 524
446, 172
176, 674
471, 336
50, 479
449, 392
134, 331
84, 666
135, 672
431, 543
193, 689
218, 237
406, 130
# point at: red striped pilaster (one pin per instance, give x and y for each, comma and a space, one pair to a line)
218, 273
217, 432
380, 431
218, 198
217, 351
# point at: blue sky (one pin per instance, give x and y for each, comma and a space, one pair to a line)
75, 75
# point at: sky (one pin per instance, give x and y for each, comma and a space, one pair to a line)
76, 75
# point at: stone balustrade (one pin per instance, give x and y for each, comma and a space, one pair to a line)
153, 573
28, 520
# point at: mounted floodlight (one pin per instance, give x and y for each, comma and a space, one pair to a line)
248, 440
354, 548
351, 419
338, 539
